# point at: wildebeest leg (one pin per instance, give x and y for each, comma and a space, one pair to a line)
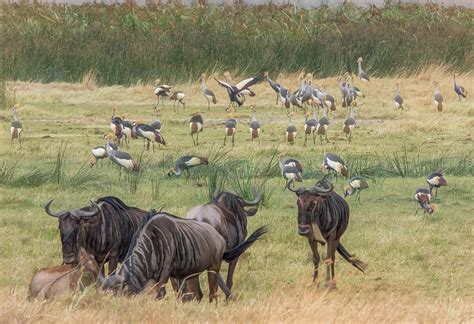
161, 286
230, 273
112, 264
212, 279
331, 257
316, 259
192, 290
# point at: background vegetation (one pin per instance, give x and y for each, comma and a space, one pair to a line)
122, 45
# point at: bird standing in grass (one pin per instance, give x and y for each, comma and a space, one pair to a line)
196, 125
178, 96
349, 124
161, 91
127, 130
184, 163
436, 180
397, 99
310, 126
290, 130
284, 97
230, 129
460, 91
100, 152
332, 162
156, 124
254, 126
322, 127
149, 135
438, 97
362, 75
116, 125
290, 170
207, 93
122, 159
423, 198
275, 86
16, 128
355, 185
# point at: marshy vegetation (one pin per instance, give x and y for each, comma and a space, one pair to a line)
124, 45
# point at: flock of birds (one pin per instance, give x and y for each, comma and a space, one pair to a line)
309, 97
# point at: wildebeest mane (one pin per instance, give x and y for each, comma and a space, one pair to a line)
233, 211
115, 202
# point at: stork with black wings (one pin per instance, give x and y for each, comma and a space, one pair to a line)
237, 93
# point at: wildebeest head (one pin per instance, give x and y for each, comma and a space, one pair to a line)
308, 201
70, 223
234, 203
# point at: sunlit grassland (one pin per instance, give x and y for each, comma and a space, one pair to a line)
420, 267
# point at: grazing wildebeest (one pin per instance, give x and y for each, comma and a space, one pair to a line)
168, 246
48, 283
323, 216
226, 213
104, 229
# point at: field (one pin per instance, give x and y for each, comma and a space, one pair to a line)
420, 266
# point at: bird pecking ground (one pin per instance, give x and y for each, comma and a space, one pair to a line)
420, 267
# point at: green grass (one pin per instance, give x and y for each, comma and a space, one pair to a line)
125, 44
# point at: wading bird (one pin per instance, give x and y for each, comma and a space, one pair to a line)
127, 130
310, 126
162, 91
284, 97
178, 96
237, 93
397, 99
122, 159
290, 171
230, 129
184, 163
116, 125
423, 198
156, 124
438, 97
290, 130
322, 127
196, 125
206, 92
436, 180
355, 185
275, 86
349, 124
362, 75
16, 127
149, 135
460, 91
332, 162
254, 125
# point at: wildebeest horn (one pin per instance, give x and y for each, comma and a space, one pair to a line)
318, 189
297, 191
256, 201
84, 214
57, 214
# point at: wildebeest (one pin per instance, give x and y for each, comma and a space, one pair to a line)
48, 283
168, 246
323, 216
227, 214
103, 229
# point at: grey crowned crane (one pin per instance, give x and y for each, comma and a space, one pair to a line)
127, 130
322, 127
349, 124
354, 186
423, 198
310, 126
327, 99
397, 99
275, 86
284, 97
290, 171
149, 135
230, 129
296, 101
100, 152
16, 128
362, 75
291, 130
207, 93
186, 162
237, 93
116, 125
254, 126
436, 180
122, 159
156, 124
162, 91
178, 96
438, 97
332, 162
196, 125
460, 91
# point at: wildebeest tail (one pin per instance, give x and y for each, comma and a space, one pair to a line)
242, 247
351, 258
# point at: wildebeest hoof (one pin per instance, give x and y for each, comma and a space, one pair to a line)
304, 230
161, 293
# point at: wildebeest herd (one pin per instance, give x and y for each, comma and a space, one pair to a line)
154, 247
